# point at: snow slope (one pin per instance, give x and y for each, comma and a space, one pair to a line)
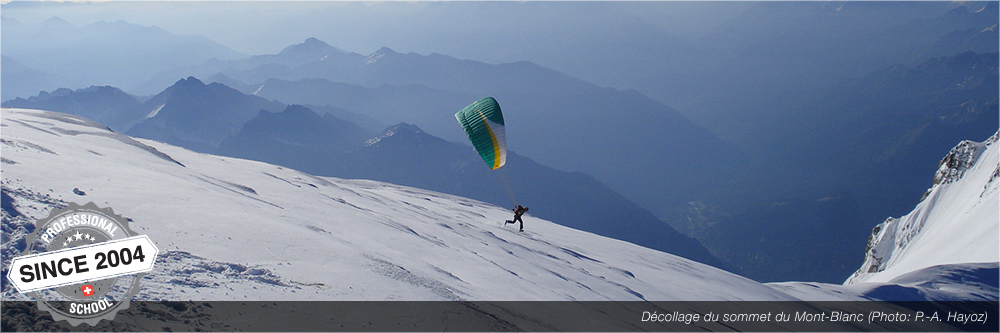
955, 224
951, 282
232, 229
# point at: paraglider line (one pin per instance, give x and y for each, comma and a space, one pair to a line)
500, 175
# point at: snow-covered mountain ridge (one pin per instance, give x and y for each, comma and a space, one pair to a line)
233, 229
959, 160
955, 223
237, 229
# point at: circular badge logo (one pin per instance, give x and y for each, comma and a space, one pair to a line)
82, 264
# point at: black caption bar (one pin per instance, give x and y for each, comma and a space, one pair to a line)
278, 316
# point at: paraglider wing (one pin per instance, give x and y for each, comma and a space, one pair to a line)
483, 123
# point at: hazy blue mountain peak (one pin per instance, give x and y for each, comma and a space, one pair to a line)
385, 50
7, 20
190, 80
311, 46
381, 53
56, 20
298, 110
401, 130
190, 83
56, 93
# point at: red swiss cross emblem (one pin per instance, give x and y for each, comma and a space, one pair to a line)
88, 290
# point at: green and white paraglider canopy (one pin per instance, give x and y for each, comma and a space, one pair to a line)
483, 123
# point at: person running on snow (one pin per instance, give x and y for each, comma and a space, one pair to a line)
518, 211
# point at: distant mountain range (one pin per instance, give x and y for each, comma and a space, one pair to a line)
101, 54
557, 120
105, 104
213, 118
862, 153
404, 154
819, 206
808, 120
299, 138
583, 127
197, 116
779, 50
